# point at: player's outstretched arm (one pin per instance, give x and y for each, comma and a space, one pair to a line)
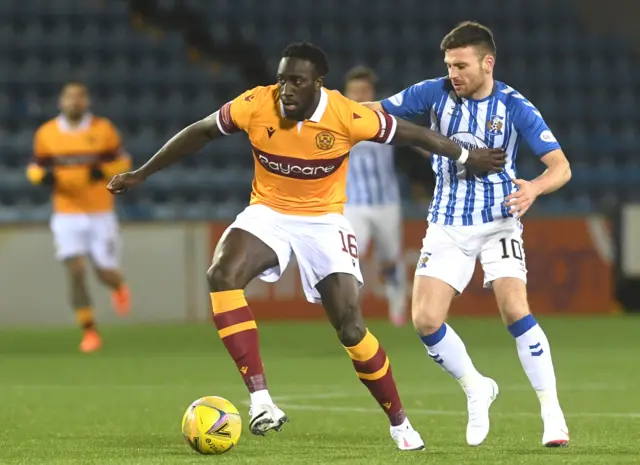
481, 159
186, 142
375, 106
422, 152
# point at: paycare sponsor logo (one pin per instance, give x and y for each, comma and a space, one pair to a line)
298, 168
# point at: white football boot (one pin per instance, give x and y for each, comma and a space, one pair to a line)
266, 417
556, 433
405, 437
480, 396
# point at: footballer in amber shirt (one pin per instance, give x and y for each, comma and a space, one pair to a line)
301, 167
75, 155
72, 153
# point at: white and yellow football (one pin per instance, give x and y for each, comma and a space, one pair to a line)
211, 425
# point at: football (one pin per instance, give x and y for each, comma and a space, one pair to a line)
211, 425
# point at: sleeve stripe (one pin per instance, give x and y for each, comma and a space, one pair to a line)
382, 127
218, 123
392, 130
387, 129
224, 121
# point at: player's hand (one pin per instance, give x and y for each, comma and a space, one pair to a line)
121, 183
519, 202
483, 160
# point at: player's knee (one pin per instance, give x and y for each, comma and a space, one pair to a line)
513, 310
111, 278
351, 334
425, 322
351, 329
222, 278
511, 297
389, 272
75, 268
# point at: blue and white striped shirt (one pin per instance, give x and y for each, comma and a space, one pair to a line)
371, 179
503, 120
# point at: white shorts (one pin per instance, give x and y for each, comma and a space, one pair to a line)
323, 244
95, 234
449, 253
383, 223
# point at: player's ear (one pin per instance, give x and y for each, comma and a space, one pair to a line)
319, 82
488, 62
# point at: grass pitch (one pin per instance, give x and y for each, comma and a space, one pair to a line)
124, 404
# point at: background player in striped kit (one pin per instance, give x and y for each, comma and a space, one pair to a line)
476, 215
373, 207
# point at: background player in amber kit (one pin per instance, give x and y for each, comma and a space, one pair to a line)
76, 154
301, 136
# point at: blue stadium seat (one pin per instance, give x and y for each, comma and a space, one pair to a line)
584, 84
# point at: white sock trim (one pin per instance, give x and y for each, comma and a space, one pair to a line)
261, 397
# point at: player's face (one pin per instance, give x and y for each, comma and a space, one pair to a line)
298, 84
360, 90
74, 101
468, 69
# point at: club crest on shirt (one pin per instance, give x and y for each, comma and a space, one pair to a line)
494, 125
325, 140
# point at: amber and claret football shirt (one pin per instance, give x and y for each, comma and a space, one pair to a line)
301, 166
71, 153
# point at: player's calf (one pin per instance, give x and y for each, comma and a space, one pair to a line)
431, 301
85, 315
120, 294
374, 370
228, 276
76, 275
394, 277
340, 299
239, 334
534, 352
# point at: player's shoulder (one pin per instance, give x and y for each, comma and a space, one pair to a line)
336, 100
426, 90
439, 85
101, 123
343, 108
512, 98
259, 94
48, 127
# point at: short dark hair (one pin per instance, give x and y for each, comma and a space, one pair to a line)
467, 34
361, 72
308, 51
73, 83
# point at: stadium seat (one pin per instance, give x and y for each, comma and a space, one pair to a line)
150, 88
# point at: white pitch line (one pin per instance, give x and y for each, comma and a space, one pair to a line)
283, 401
452, 390
331, 394
323, 408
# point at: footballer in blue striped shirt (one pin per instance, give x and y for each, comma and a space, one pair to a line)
476, 215
373, 207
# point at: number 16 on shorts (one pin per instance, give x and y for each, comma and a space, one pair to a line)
349, 244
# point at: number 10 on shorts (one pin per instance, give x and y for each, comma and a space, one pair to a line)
349, 244
516, 249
